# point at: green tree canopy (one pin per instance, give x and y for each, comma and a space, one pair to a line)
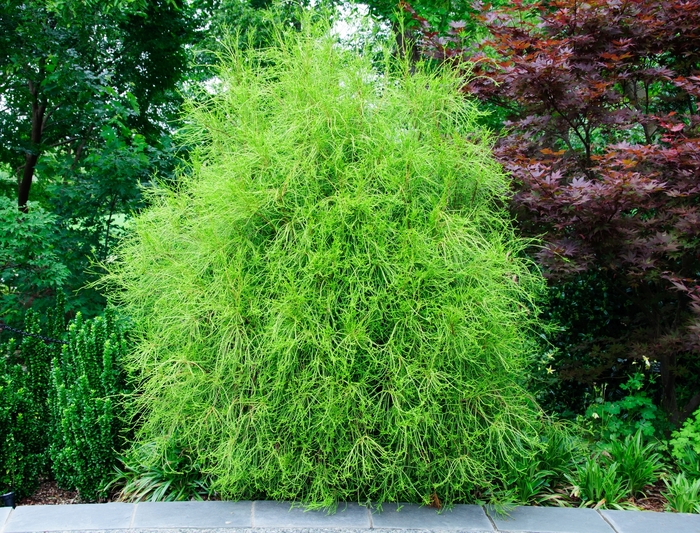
88, 90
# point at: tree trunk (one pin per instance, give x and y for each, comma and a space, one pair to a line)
669, 402
30, 160
406, 43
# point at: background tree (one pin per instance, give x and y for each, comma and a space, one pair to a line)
603, 143
88, 92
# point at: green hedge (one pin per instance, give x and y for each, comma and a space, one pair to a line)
60, 405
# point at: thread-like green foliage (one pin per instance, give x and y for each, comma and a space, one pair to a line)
86, 383
332, 307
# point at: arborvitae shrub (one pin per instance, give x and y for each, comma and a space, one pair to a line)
333, 306
24, 418
21, 454
87, 384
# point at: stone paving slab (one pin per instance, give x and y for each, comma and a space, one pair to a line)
4, 513
648, 522
461, 517
193, 514
550, 520
280, 517
285, 515
30, 518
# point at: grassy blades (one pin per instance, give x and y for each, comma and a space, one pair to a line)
599, 486
683, 494
148, 476
639, 464
334, 306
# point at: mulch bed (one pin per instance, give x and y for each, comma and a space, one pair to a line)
49, 493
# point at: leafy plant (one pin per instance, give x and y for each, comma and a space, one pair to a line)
149, 475
536, 480
30, 265
683, 495
86, 383
529, 483
334, 306
685, 446
688, 461
24, 384
639, 464
21, 455
633, 413
598, 484
561, 445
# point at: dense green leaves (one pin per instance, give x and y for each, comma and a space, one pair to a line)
86, 386
24, 390
88, 89
30, 264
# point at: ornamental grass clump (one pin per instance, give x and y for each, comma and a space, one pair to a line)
333, 305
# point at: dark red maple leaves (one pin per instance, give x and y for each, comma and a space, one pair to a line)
603, 143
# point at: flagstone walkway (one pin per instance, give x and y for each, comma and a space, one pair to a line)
277, 517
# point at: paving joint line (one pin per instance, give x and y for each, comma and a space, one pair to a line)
369, 516
606, 520
133, 515
252, 514
7, 519
495, 528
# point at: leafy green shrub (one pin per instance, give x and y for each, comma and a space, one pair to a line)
685, 446
21, 453
29, 263
639, 464
683, 494
334, 306
635, 412
599, 484
146, 477
86, 381
24, 419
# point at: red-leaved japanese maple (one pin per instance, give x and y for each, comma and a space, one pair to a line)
603, 143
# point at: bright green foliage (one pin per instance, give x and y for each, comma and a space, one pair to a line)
599, 484
86, 382
613, 420
334, 307
683, 494
688, 436
621, 472
685, 446
29, 260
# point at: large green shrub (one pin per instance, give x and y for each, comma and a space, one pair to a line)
87, 383
334, 305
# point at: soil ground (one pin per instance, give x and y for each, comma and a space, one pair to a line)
49, 493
